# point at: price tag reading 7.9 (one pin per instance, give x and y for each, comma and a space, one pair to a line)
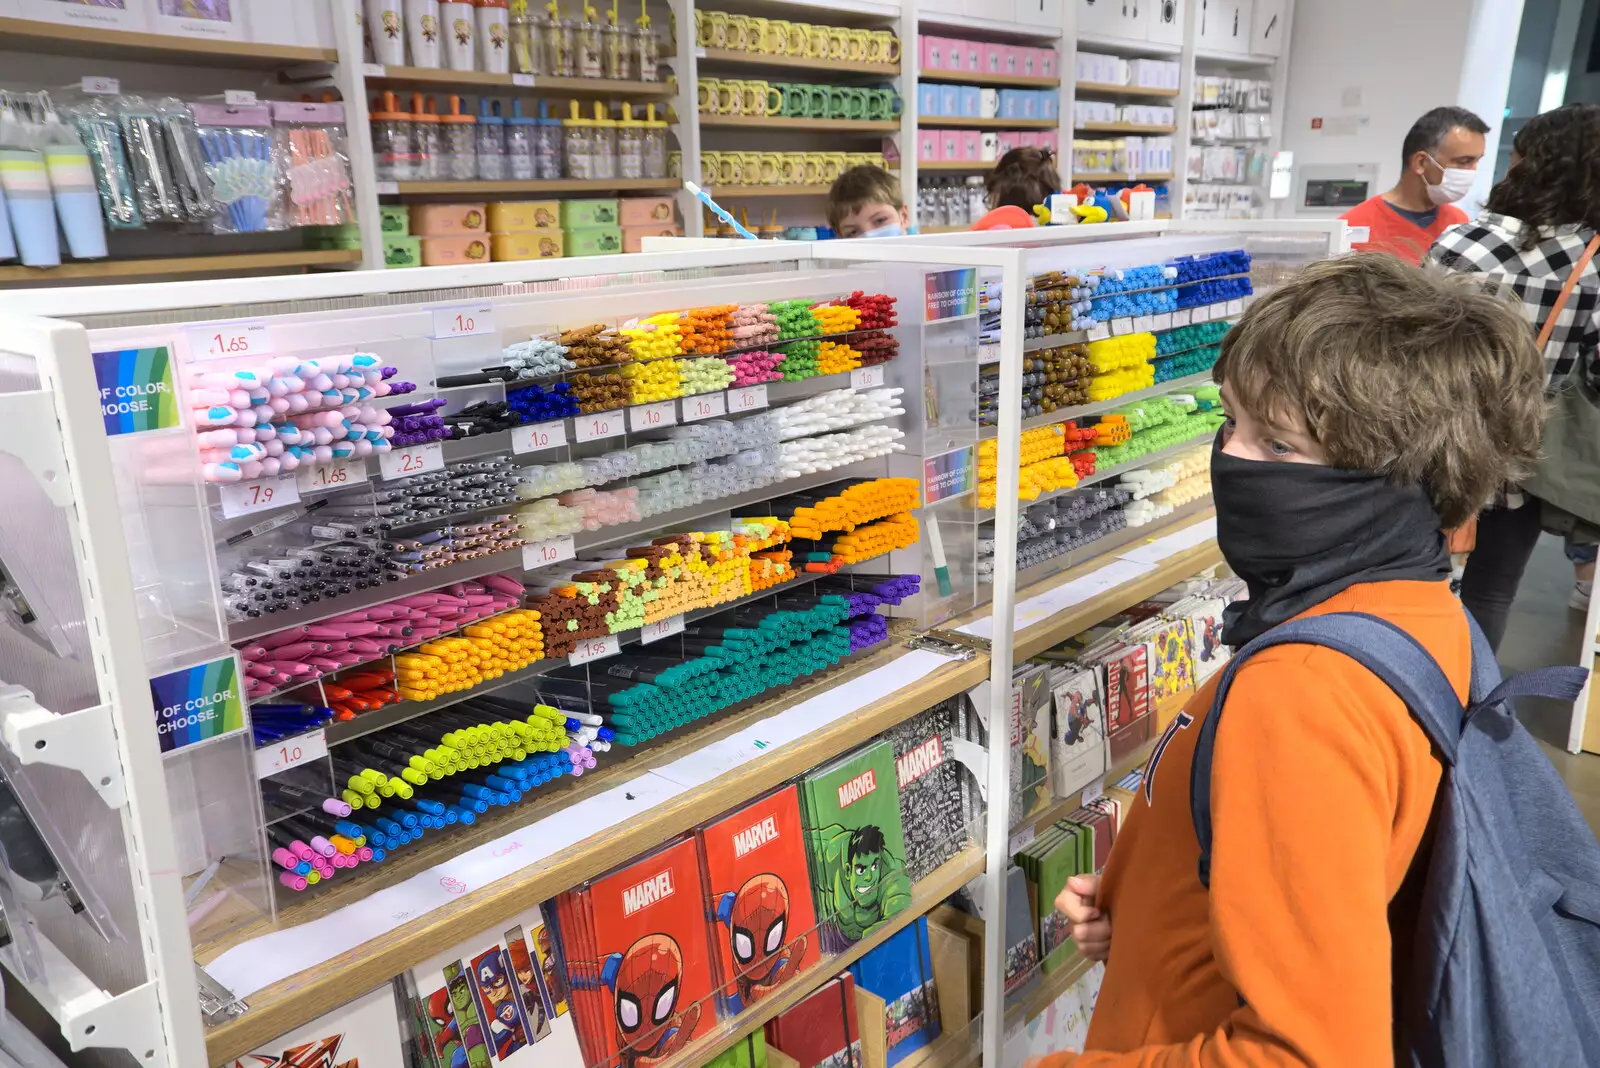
290, 753
544, 553
260, 495
597, 426
411, 460
336, 475
217, 341
462, 320
594, 649
705, 406
652, 416
536, 436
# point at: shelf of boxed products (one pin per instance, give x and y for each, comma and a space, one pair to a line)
532, 84
719, 56
155, 266
774, 122
1124, 128
88, 42
559, 185
1009, 81
986, 124
1126, 90
295, 999
1160, 389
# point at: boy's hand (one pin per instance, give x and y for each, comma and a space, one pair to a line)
1091, 928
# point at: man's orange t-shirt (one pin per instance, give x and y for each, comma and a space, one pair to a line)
1389, 231
1322, 790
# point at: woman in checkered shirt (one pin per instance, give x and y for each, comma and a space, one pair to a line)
1532, 234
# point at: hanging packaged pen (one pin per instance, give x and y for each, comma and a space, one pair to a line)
188, 165
236, 143
101, 134
146, 141
311, 146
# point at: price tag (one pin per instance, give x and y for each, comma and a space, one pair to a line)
1099, 332
523, 80
291, 753
1021, 839
1200, 314
215, 341
597, 426
545, 553
536, 436
665, 628
337, 475
699, 53
594, 649
1180, 317
746, 399
704, 406
388, 189
873, 377
1121, 327
462, 320
652, 416
1094, 791
986, 354
1235, 307
411, 460
260, 495
239, 98
100, 85
1162, 321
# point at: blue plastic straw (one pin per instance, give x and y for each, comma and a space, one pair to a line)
719, 211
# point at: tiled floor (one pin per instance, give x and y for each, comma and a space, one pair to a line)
1543, 630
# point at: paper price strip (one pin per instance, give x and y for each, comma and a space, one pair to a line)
337, 475
1236, 307
652, 416
291, 753
594, 649
243, 498
746, 399
535, 436
665, 628
597, 426
100, 85
463, 320
867, 377
411, 460
544, 553
218, 341
705, 406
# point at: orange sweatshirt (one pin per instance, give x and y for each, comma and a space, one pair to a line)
1322, 789
1389, 231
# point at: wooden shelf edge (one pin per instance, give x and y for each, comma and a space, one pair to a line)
291, 1002
959, 122
506, 83
769, 190
560, 185
1125, 128
1009, 81
765, 59
1126, 90
778, 122
210, 264
96, 42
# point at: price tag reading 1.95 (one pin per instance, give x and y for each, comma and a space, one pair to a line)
462, 320
544, 553
411, 460
259, 495
746, 399
652, 416
291, 752
217, 341
594, 649
336, 475
598, 425
705, 406
665, 628
536, 436
869, 377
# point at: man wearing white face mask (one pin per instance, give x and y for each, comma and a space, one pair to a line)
1439, 164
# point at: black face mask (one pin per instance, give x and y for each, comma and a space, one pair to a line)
1299, 533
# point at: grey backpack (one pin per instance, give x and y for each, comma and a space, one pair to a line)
1505, 971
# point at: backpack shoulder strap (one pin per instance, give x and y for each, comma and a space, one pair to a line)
1384, 649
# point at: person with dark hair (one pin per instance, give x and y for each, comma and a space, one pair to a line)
1535, 240
1438, 164
1022, 179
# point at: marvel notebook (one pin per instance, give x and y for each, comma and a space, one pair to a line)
856, 846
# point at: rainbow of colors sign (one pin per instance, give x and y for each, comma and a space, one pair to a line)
136, 391
198, 704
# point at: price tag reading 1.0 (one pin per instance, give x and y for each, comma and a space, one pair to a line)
335, 475
598, 425
705, 406
462, 320
536, 436
1099, 332
870, 377
1236, 307
652, 416
1121, 326
218, 341
411, 460
665, 628
746, 399
260, 495
594, 649
545, 553
291, 752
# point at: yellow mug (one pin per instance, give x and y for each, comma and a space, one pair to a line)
706, 94
791, 169
728, 171
817, 42
702, 29
855, 45
771, 168
777, 37
719, 29
812, 173
832, 166
729, 101
797, 38
738, 32
710, 162
756, 38
888, 47
838, 39
758, 98
750, 167
674, 164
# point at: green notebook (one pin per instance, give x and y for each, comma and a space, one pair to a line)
856, 844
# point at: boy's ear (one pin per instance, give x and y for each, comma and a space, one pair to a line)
905, 217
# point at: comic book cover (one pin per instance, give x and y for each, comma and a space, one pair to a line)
1205, 630
1030, 741
1127, 701
759, 900
930, 784
363, 1034
900, 971
1171, 661
1078, 738
480, 1010
822, 1031
1022, 943
649, 975
856, 845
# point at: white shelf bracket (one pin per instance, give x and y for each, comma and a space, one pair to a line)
29, 431
130, 1021
83, 741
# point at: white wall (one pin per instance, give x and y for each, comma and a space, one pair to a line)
1368, 68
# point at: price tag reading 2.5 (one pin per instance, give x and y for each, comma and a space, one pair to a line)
746, 399
705, 406
336, 475
462, 320
594, 649
598, 425
665, 628
544, 553
652, 416
536, 436
217, 341
291, 752
259, 495
411, 460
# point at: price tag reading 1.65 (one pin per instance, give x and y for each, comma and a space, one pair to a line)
291, 752
217, 341
705, 406
665, 628
411, 460
336, 475
259, 495
746, 399
652, 416
536, 436
598, 425
594, 649
544, 553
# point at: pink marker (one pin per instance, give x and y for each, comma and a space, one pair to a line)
291, 880
285, 859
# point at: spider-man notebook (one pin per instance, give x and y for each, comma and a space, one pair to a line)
1078, 741
763, 922
485, 1002
641, 972
822, 1031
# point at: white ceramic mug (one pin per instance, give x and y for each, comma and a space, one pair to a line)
387, 29
459, 27
423, 31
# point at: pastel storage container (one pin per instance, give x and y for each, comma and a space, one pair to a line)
461, 135
949, 145
531, 245
491, 142
927, 145
1049, 104
630, 145
928, 98
449, 220
454, 251
994, 61
949, 100
1011, 103
954, 56
519, 145
399, 251
394, 220
1047, 63
576, 214
642, 211
633, 236
1028, 60
971, 101
1010, 59
932, 49
519, 216
594, 241
971, 143
547, 145
972, 57
395, 151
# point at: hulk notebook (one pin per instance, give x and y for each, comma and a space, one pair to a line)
855, 843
